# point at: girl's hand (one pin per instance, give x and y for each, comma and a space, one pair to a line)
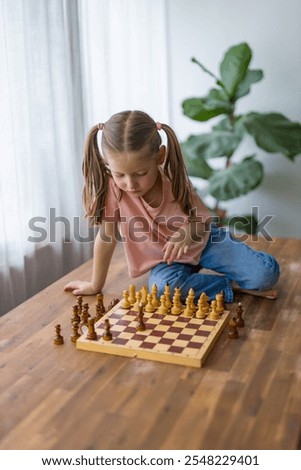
177, 245
80, 288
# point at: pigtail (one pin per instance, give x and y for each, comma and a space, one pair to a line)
174, 168
96, 179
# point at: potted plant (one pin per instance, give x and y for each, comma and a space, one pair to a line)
272, 132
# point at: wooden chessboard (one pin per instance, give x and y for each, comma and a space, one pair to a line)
167, 338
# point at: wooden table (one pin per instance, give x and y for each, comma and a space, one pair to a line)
247, 396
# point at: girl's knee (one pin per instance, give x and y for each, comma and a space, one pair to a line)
267, 272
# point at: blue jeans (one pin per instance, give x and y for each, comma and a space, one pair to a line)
231, 258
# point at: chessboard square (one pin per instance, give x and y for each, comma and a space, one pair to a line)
139, 337
175, 349
190, 333
174, 329
132, 343
120, 341
162, 347
210, 322
157, 333
166, 341
184, 337
202, 333
194, 345
170, 335
157, 316
130, 329
182, 320
167, 322
191, 351
147, 345
193, 325
180, 343
152, 339
115, 315
161, 327
123, 322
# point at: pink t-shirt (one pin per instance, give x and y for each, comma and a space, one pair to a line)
144, 229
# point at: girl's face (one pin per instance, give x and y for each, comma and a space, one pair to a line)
135, 172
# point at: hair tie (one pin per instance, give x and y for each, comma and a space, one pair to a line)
100, 126
158, 126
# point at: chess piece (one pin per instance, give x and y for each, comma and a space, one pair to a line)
162, 310
155, 300
213, 315
200, 311
91, 330
168, 302
58, 339
176, 309
80, 304
85, 314
149, 308
126, 303
75, 316
219, 304
107, 336
239, 319
99, 304
140, 324
98, 312
191, 297
188, 311
138, 296
233, 332
75, 335
144, 293
132, 294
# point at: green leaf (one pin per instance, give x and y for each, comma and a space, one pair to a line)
234, 67
274, 132
221, 142
195, 162
246, 223
252, 76
236, 180
195, 108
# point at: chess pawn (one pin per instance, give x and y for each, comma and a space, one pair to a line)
149, 308
80, 304
91, 330
188, 311
98, 312
213, 315
107, 336
219, 303
135, 307
204, 303
75, 335
233, 332
100, 304
132, 294
75, 316
191, 297
168, 302
126, 303
155, 300
200, 311
162, 310
58, 339
85, 314
176, 309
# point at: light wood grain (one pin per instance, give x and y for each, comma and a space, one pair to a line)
247, 396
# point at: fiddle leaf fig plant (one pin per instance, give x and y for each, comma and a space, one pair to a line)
273, 132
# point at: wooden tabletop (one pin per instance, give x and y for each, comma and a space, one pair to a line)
247, 395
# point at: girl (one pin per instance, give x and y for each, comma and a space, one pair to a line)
138, 191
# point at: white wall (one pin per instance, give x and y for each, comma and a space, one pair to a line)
272, 28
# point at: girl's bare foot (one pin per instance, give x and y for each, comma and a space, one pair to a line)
267, 294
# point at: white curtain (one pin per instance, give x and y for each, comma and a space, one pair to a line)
65, 64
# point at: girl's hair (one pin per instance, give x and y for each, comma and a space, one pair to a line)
130, 131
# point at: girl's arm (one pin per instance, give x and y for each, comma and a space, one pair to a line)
104, 246
180, 242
